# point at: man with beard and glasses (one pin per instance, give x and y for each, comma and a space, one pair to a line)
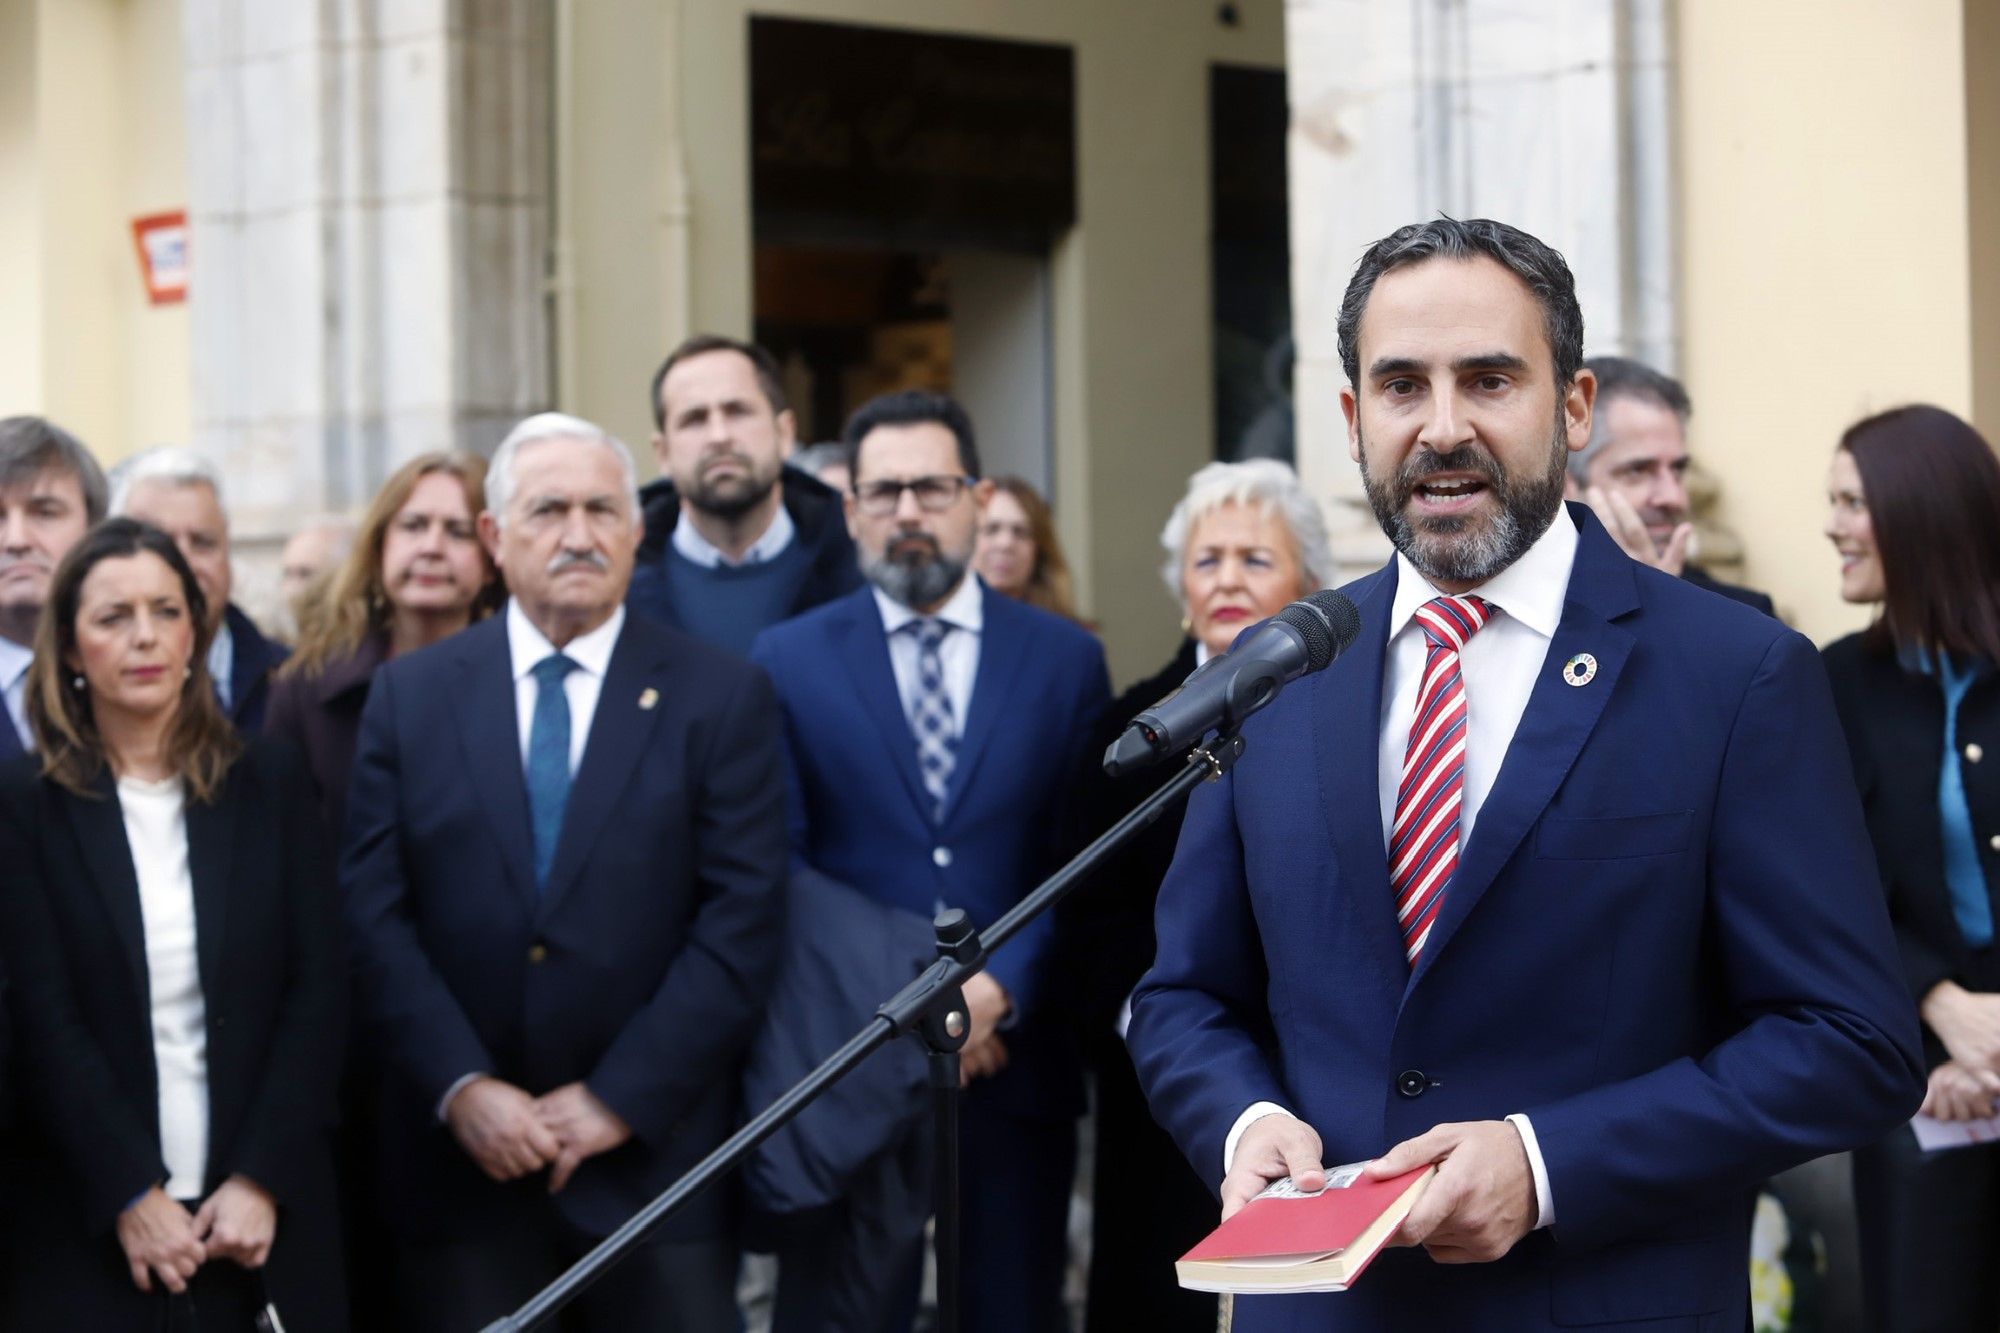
1556, 878
1633, 471
937, 731
564, 871
735, 540
51, 492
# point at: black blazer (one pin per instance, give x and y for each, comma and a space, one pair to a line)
273, 987
321, 714
1895, 733
252, 659
1750, 597
641, 967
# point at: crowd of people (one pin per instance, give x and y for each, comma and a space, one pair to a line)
378, 977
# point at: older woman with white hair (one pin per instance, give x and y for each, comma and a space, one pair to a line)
1245, 540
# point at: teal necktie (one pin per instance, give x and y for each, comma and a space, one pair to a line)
548, 760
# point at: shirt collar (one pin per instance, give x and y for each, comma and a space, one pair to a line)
222, 656
14, 660
527, 645
1531, 590
964, 609
699, 549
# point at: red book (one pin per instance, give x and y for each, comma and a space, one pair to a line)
1286, 1240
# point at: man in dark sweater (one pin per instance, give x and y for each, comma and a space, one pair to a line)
1633, 471
735, 540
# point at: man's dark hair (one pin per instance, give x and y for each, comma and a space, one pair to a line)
1622, 377
30, 446
910, 407
766, 366
1534, 263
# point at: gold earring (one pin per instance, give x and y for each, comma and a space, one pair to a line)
1187, 626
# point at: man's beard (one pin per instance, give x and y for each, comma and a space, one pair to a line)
1459, 548
732, 497
923, 576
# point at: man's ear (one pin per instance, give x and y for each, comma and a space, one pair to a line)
489, 536
1578, 405
982, 491
1350, 407
788, 433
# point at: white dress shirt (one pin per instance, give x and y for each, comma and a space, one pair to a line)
156, 827
14, 663
222, 664
1499, 666
958, 654
591, 652
526, 647
708, 555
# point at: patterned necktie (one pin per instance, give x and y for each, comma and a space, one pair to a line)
931, 718
548, 760
1423, 843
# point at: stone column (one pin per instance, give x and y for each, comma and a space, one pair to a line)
369, 185
1556, 120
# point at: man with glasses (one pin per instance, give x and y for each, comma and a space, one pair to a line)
1633, 472
936, 731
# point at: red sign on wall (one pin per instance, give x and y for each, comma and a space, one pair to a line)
162, 239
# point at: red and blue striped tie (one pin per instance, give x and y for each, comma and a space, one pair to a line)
1423, 843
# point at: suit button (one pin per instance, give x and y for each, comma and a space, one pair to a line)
1974, 753
1411, 1083
537, 952
940, 857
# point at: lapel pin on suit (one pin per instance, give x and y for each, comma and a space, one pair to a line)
648, 697
1580, 670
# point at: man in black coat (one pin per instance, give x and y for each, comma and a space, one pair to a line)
563, 868
1633, 472
735, 540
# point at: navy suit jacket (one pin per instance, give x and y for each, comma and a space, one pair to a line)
859, 810
1665, 942
642, 965
252, 659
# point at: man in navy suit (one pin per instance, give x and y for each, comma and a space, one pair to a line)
936, 730
51, 492
1556, 878
564, 852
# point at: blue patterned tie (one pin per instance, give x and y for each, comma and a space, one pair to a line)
548, 760
930, 714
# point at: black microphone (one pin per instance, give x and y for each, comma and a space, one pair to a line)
1303, 638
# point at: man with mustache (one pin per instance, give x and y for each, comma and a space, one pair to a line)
1555, 879
1633, 471
735, 540
51, 492
563, 870
937, 731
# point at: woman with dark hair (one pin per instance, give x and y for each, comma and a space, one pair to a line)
1018, 552
415, 573
172, 940
1915, 516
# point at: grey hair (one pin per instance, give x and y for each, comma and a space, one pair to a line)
1621, 377
814, 459
168, 464
1274, 490
552, 426
30, 446
1535, 264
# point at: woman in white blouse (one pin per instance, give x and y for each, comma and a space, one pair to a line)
172, 941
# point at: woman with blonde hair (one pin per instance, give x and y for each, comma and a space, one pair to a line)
1018, 552
172, 937
416, 573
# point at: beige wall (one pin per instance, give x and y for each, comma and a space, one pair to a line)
1982, 119
92, 134
657, 104
1825, 253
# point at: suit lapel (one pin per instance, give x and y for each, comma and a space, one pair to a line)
98, 822
1557, 721
620, 730
1347, 708
489, 728
863, 650
10, 739
211, 835
1003, 653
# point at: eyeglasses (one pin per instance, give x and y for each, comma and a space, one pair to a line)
934, 494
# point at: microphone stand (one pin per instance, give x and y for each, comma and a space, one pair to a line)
932, 1006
